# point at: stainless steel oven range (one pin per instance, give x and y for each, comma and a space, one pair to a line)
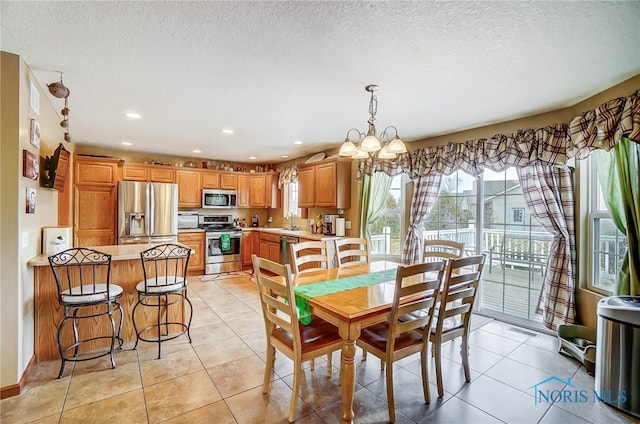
222, 243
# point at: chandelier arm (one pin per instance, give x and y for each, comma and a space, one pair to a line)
384, 136
360, 135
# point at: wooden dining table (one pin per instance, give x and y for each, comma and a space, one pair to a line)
350, 311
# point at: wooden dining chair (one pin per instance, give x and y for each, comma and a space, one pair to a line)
460, 287
296, 341
309, 256
352, 251
406, 330
436, 250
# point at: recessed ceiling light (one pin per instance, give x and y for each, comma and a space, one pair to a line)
127, 143
297, 142
197, 151
253, 157
133, 115
284, 156
227, 131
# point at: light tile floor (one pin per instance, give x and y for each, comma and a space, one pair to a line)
218, 378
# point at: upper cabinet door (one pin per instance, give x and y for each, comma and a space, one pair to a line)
258, 191
95, 171
162, 175
135, 173
210, 180
325, 185
189, 189
306, 187
228, 181
243, 191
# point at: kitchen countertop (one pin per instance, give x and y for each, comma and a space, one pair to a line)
190, 230
296, 233
120, 252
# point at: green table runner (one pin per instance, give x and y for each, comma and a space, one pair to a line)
307, 291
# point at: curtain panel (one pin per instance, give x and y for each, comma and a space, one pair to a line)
548, 192
375, 190
288, 175
619, 171
425, 194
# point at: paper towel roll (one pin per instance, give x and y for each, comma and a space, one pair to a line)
339, 227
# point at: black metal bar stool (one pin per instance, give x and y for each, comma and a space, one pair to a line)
165, 284
84, 290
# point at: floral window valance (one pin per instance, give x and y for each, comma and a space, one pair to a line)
288, 175
552, 145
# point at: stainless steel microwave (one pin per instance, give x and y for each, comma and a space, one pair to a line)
219, 199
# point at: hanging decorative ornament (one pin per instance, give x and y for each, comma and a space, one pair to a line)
58, 89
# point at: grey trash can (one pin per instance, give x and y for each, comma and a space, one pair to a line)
618, 355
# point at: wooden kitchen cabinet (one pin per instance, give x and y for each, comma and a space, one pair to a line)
325, 184
228, 181
195, 241
243, 191
95, 171
151, 173
161, 174
270, 246
247, 249
306, 187
95, 201
210, 179
258, 191
221, 180
189, 188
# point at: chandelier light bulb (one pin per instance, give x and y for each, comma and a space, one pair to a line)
397, 146
360, 154
348, 148
385, 153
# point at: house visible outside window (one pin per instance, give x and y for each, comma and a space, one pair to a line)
290, 200
608, 244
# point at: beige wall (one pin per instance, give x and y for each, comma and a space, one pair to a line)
16, 286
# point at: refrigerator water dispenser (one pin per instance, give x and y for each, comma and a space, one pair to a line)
135, 224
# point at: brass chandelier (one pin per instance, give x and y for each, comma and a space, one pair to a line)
387, 147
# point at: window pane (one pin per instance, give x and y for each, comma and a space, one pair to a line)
517, 249
609, 247
385, 229
609, 244
453, 216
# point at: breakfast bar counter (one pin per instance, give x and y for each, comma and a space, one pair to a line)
126, 271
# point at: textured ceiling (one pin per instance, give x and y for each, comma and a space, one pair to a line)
276, 72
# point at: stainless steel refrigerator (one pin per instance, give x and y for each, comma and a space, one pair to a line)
147, 212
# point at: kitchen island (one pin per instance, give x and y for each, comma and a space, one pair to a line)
126, 271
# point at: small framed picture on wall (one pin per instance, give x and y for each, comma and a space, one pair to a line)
34, 138
31, 200
30, 165
34, 98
